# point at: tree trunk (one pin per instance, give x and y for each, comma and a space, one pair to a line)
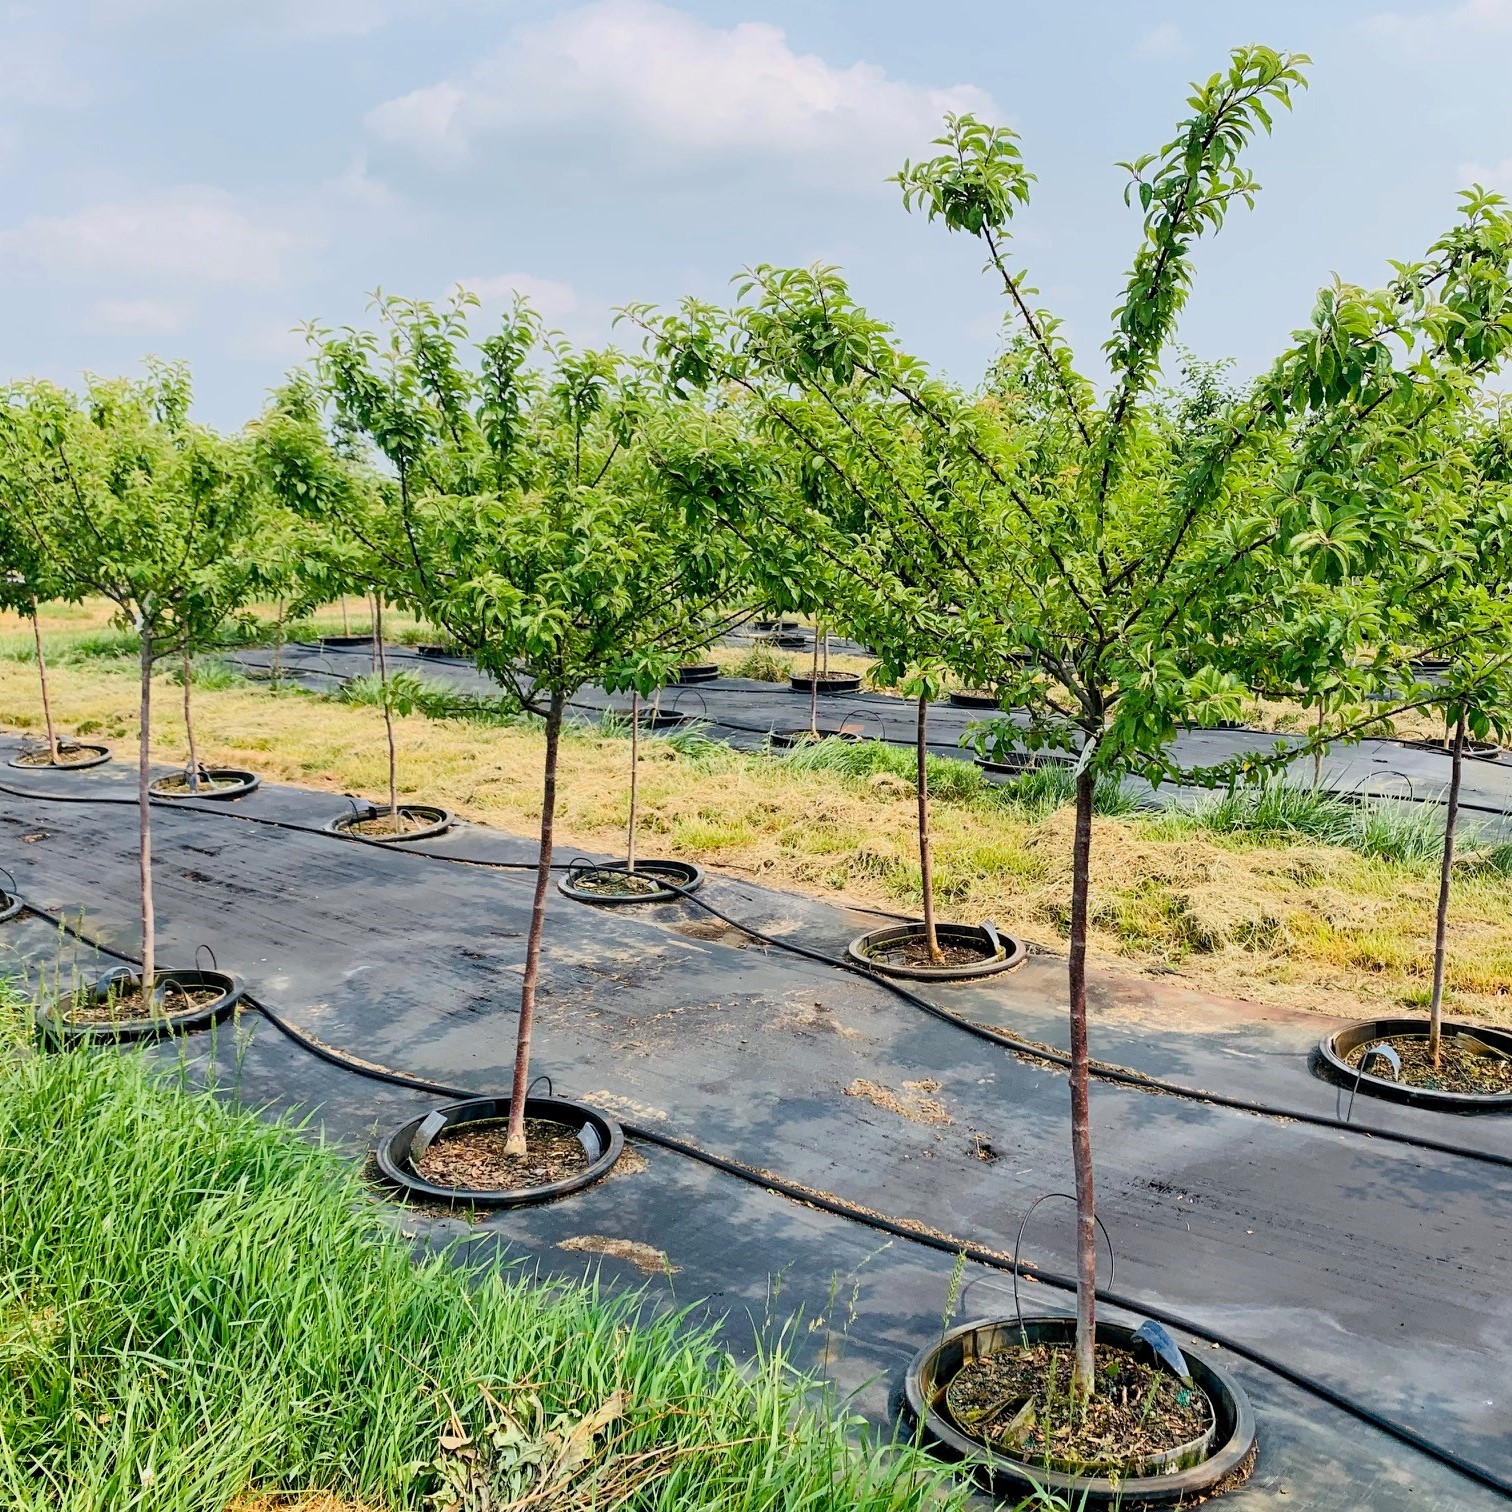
388, 713
346, 624
144, 812
1318, 757
515, 1142
814, 689
926, 849
189, 722
47, 719
826, 652
634, 779
280, 626
1441, 924
1083, 1377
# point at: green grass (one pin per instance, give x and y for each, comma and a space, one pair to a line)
194, 1301
952, 780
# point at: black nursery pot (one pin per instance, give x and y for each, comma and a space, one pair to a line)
686, 877
998, 952
697, 672
1183, 1476
601, 1137
435, 651
77, 756
55, 1028
344, 642
787, 640
787, 740
974, 698
1331, 1062
828, 682
1016, 763
10, 905
231, 782
433, 821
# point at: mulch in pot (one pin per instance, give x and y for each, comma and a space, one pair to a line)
1465, 1065
915, 952
43, 758
1018, 1402
617, 883
180, 785
133, 1006
473, 1158
389, 824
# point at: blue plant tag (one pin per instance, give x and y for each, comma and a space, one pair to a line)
1158, 1337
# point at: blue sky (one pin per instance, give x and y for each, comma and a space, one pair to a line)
193, 178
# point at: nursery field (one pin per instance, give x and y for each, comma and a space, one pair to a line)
1214, 899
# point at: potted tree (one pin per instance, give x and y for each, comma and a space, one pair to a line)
530, 529
137, 502
1119, 548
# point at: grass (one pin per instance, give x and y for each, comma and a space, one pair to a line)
199, 1308
1309, 903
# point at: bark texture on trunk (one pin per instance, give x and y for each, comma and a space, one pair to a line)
144, 811
189, 721
926, 846
1441, 923
634, 779
515, 1141
47, 719
388, 713
1083, 1377
814, 687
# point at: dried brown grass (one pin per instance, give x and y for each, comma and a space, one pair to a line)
1307, 925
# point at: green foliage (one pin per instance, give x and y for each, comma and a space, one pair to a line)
405, 693
194, 1301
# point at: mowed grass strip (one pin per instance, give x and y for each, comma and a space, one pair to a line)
1280, 899
201, 1311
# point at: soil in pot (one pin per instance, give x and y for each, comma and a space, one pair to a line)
1466, 1065
68, 755
473, 1158
170, 1000
1018, 1403
611, 883
380, 826
915, 952
180, 786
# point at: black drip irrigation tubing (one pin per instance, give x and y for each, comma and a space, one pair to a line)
1000, 1038
879, 1222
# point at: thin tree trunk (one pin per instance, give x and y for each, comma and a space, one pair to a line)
276, 671
1441, 924
634, 778
814, 689
346, 624
144, 812
1083, 1378
515, 1142
47, 719
826, 652
388, 713
926, 848
1318, 757
189, 722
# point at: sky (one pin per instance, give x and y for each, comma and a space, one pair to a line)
197, 179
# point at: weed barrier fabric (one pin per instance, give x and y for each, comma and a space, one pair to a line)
1374, 1267
742, 713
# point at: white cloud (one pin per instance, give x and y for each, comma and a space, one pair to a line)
288, 18
358, 187
660, 90
198, 234
1166, 41
1496, 176
553, 302
144, 317
1436, 31
270, 339
34, 71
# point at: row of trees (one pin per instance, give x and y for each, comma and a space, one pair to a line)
1114, 564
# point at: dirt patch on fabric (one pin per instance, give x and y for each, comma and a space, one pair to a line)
474, 1159
646, 1258
914, 1100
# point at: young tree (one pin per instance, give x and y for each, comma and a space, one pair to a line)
28, 574
519, 515
1120, 543
137, 505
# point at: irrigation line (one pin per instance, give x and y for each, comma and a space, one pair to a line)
944, 1244
1116, 1075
